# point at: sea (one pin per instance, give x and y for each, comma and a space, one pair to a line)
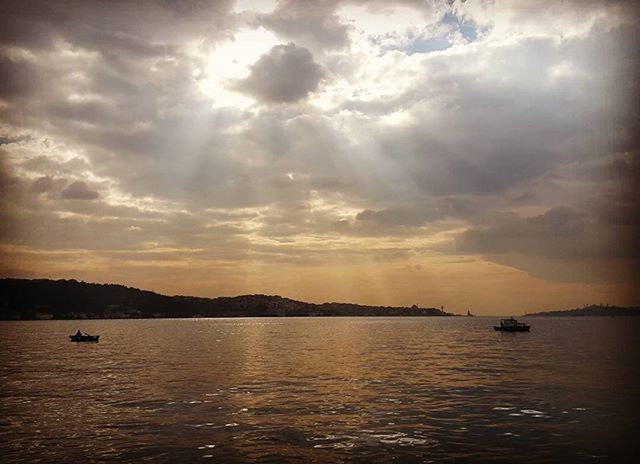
320, 390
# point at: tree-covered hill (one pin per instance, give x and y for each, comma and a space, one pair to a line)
70, 299
592, 310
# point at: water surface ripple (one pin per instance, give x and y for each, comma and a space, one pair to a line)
319, 390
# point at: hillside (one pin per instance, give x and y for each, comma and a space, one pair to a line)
593, 310
23, 299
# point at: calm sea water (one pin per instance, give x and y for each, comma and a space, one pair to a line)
320, 390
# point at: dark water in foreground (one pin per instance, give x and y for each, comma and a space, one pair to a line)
320, 390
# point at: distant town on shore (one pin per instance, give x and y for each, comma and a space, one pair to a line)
42, 299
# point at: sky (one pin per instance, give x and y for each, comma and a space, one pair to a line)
476, 155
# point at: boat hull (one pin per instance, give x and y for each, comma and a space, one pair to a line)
84, 338
511, 329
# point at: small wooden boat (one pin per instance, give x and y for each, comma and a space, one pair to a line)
84, 338
511, 325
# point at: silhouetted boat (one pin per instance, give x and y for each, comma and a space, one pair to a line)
511, 325
84, 338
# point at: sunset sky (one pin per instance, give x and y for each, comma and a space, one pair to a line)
473, 155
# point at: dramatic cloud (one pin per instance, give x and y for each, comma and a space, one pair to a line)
568, 244
286, 74
418, 151
78, 190
308, 22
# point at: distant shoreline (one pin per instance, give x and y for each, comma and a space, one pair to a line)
44, 299
177, 318
591, 311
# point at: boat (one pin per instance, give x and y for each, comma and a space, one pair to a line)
511, 325
84, 338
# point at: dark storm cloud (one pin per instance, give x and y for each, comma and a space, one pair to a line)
286, 74
561, 232
78, 190
561, 244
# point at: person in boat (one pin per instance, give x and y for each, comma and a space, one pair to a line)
78, 334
